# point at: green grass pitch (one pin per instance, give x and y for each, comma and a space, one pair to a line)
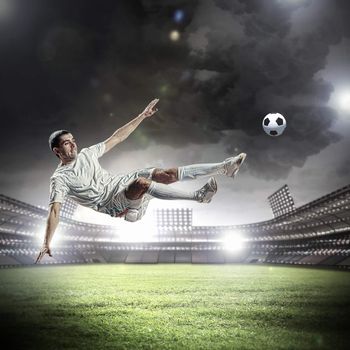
175, 306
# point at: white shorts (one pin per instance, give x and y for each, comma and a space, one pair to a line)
119, 203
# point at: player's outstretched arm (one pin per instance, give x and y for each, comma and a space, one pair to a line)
51, 225
122, 133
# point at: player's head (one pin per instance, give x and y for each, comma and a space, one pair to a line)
62, 143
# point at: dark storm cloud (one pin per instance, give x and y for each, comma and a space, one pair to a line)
263, 66
236, 62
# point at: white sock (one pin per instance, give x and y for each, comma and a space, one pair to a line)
193, 171
162, 191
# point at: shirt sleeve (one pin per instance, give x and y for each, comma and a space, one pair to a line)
58, 190
97, 150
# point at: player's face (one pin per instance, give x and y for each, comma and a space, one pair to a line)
68, 148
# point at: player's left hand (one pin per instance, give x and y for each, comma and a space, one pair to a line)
151, 108
44, 250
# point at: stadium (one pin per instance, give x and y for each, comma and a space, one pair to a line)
316, 234
209, 287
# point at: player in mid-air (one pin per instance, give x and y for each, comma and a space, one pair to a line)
80, 177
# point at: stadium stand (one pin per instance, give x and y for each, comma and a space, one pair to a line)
316, 234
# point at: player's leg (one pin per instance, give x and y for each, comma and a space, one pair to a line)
228, 167
132, 202
140, 186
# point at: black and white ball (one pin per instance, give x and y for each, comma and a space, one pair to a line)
274, 124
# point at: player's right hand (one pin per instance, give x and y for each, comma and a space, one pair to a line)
44, 250
151, 108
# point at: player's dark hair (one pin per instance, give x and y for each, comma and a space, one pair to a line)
54, 139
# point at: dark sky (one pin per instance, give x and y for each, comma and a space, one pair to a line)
91, 66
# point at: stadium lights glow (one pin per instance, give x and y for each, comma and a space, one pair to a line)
233, 241
135, 232
88, 215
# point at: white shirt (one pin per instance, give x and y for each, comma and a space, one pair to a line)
84, 180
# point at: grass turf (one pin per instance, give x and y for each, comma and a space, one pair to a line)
174, 307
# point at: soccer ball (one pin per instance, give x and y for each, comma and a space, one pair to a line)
274, 124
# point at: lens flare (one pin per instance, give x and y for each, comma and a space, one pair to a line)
174, 35
179, 15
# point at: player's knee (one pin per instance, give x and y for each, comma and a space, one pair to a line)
165, 176
171, 174
138, 188
141, 184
